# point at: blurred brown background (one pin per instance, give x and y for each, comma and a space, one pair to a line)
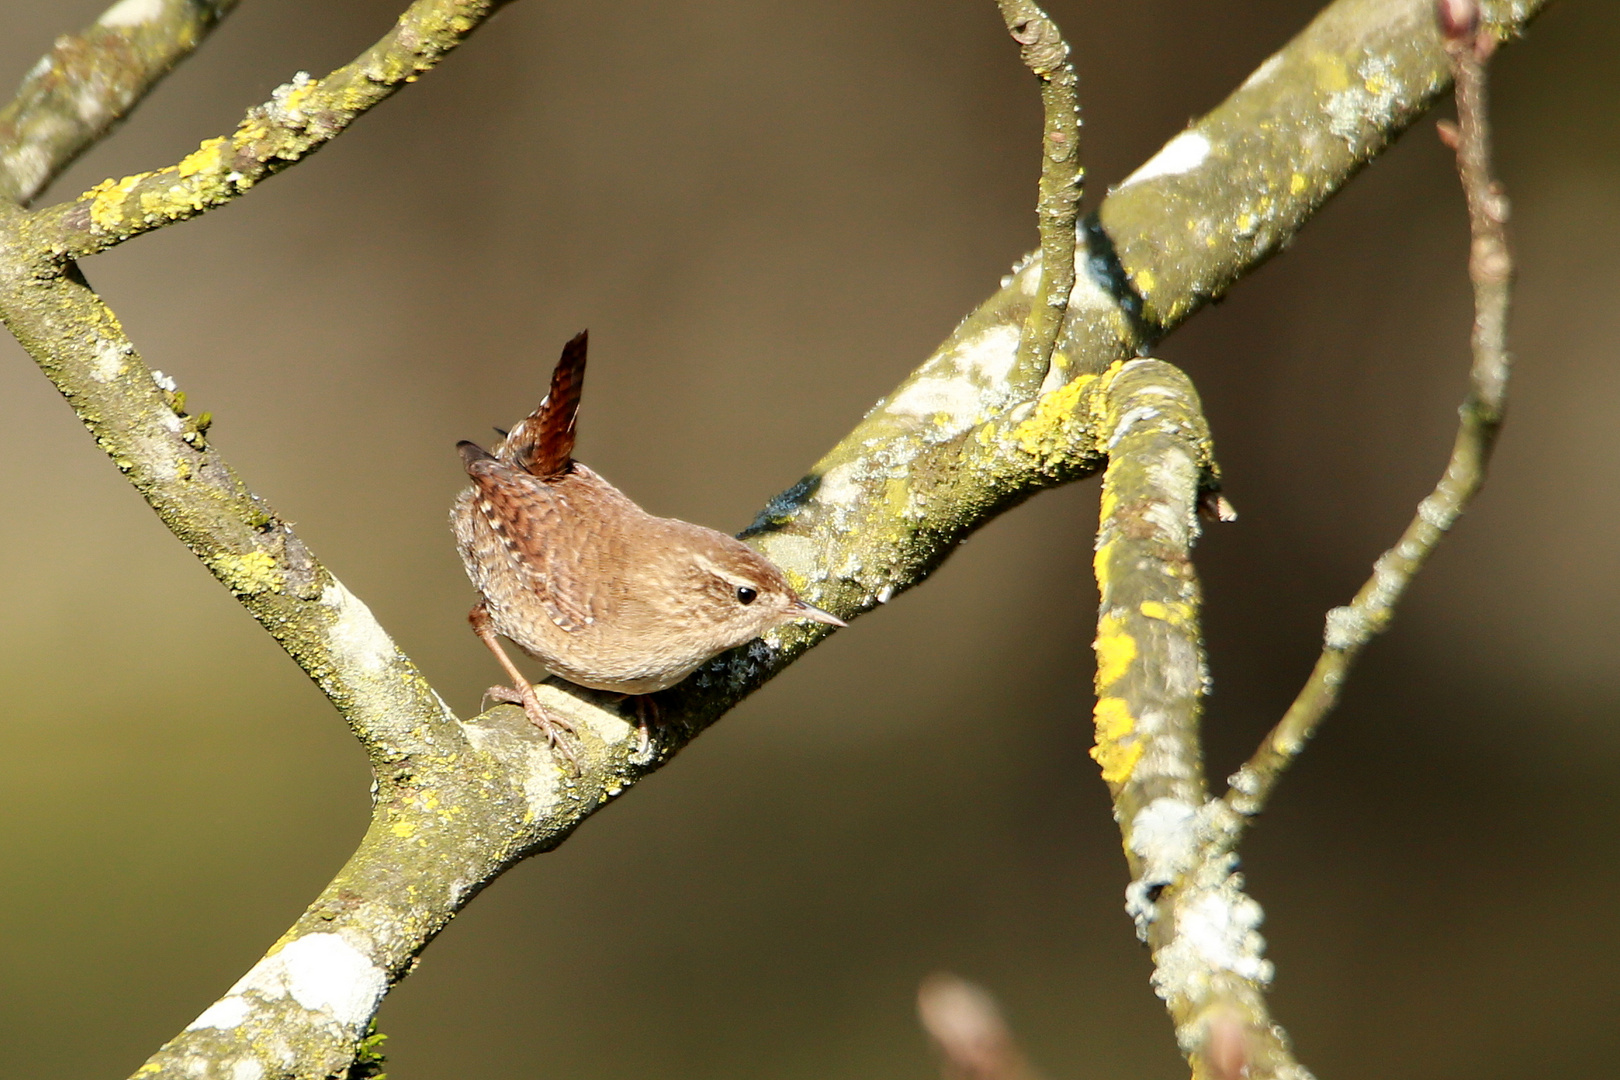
767, 213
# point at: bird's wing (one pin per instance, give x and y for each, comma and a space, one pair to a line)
546, 543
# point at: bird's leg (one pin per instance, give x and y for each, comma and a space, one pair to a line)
521, 692
647, 714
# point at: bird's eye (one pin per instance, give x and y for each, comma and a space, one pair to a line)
745, 595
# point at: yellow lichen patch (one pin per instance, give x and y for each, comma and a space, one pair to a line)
1176, 614
1108, 504
1331, 73
1297, 183
404, 829
206, 158
106, 206
251, 130
1144, 281
1114, 725
1099, 567
1044, 433
1115, 651
255, 572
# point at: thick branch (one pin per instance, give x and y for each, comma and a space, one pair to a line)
89, 81
165, 453
1490, 268
1234, 188
300, 118
1185, 896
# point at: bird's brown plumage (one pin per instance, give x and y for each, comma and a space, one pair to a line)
601, 592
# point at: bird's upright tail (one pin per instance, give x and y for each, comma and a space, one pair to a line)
542, 443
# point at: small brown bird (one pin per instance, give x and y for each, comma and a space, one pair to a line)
598, 590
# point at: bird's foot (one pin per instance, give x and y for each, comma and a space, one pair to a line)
552, 723
647, 714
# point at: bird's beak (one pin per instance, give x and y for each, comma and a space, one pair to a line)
803, 610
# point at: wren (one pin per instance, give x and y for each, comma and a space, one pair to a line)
601, 592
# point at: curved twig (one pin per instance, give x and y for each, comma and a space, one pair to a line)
1047, 55
1490, 268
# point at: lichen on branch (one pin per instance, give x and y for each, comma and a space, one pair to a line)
89, 81
302, 116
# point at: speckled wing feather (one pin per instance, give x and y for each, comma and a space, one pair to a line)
522, 512
543, 442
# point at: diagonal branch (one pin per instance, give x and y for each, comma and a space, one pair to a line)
301, 117
1490, 268
89, 81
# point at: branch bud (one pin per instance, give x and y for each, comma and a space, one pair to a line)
1458, 19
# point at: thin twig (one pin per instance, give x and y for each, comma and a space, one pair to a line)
301, 117
1046, 54
89, 81
1490, 268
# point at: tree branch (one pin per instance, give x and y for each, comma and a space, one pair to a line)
1046, 54
1490, 268
1185, 895
301, 117
89, 81
963, 438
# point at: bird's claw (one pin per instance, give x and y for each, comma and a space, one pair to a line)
552, 723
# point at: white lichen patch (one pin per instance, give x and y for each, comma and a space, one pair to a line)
246, 1069
93, 109
356, 639
956, 399
1164, 836
283, 104
1216, 931
1090, 292
132, 13
1138, 415
1368, 105
1264, 71
29, 164
224, 1014
794, 554
110, 360
1182, 154
990, 356
841, 487
166, 382
323, 973
960, 383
